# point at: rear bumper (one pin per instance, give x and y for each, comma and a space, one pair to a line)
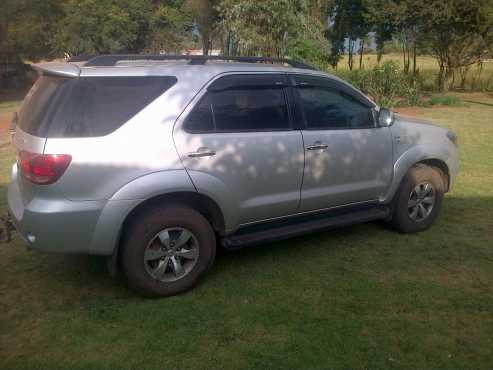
53, 225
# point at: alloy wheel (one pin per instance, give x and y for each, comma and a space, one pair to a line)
421, 201
171, 254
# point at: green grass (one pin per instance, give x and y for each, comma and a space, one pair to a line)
450, 100
354, 298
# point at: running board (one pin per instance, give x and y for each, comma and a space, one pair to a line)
295, 226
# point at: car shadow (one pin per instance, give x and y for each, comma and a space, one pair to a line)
89, 272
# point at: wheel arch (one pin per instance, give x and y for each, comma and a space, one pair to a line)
442, 166
422, 154
198, 201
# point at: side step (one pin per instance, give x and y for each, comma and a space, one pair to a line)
299, 225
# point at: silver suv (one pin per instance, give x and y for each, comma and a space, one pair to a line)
154, 161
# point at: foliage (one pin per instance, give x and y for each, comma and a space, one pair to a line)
457, 33
110, 26
206, 16
386, 83
27, 29
398, 19
259, 27
308, 43
348, 22
170, 27
449, 100
102, 26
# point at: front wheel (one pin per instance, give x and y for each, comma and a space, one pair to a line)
419, 199
167, 250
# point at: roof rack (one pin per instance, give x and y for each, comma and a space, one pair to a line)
81, 58
112, 59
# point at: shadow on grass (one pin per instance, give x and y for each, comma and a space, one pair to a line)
472, 215
478, 102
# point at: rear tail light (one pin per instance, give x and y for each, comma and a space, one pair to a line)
43, 169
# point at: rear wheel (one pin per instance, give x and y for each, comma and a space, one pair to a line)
167, 250
419, 199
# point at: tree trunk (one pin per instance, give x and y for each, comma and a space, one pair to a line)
361, 50
441, 77
350, 54
406, 55
206, 43
415, 51
445, 74
449, 74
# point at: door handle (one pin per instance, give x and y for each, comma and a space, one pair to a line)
202, 152
317, 145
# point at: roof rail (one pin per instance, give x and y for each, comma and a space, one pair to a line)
81, 58
112, 59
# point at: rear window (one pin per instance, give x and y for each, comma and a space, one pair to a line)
87, 106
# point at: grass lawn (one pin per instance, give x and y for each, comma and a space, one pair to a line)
354, 298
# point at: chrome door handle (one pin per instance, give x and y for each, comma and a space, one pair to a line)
317, 146
202, 152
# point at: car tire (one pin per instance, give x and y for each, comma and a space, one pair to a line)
419, 199
167, 250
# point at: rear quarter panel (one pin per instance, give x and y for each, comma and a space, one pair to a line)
102, 165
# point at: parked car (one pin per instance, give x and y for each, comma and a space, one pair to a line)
154, 161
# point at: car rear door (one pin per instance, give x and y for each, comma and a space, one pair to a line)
237, 143
348, 159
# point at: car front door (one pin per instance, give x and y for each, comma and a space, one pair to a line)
237, 143
348, 159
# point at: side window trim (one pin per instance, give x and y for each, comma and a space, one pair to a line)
335, 84
285, 88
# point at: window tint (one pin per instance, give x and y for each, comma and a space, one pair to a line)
87, 106
250, 109
242, 103
327, 108
200, 118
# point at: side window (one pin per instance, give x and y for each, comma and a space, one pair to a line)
250, 109
200, 118
242, 103
328, 108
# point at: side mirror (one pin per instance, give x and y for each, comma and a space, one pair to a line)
385, 117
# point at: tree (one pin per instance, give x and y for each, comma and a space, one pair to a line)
122, 26
379, 17
456, 32
170, 28
27, 29
399, 19
102, 26
206, 16
259, 27
348, 25
308, 41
